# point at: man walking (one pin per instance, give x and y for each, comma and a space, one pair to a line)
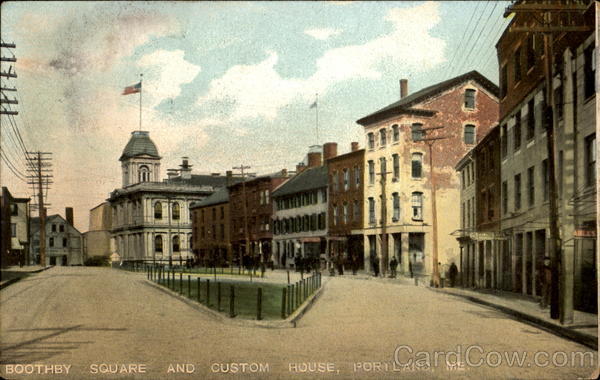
393, 266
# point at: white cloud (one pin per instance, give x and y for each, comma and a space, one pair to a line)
168, 72
259, 91
323, 33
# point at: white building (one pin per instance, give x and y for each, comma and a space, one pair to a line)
151, 220
64, 243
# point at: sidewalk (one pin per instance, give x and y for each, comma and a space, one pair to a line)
583, 330
12, 274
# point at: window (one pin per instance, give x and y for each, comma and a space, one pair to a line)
61, 228
589, 71
356, 210
371, 172
371, 211
518, 192
530, 120
417, 206
396, 207
322, 221
490, 207
13, 229
545, 178
324, 195
144, 174
395, 133
417, 131
396, 163
504, 197
357, 176
383, 167
51, 242
222, 212
468, 213
382, 137
503, 81
470, 98
14, 209
53, 227
417, 164
371, 140
176, 243
267, 199
590, 160
158, 210
504, 142
175, 211
560, 172
334, 182
517, 131
64, 242
531, 186
346, 179
469, 134
335, 215
530, 51
345, 213
517, 64
464, 183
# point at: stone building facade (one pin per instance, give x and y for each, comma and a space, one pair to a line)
151, 220
397, 164
97, 238
524, 160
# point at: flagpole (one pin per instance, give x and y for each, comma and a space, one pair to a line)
141, 89
317, 116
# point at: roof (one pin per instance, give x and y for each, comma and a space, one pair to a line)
404, 105
277, 174
218, 197
139, 144
34, 223
308, 179
202, 180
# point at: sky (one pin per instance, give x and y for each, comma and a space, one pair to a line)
224, 83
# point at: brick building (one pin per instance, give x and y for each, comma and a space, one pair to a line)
346, 207
14, 231
466, 107
259, 212
524, 157
211, 229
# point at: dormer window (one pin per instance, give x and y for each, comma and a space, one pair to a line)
144, 174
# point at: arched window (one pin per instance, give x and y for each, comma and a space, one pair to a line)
469, 134
395, 133
417, 131
175, 243
157, 210
158, 243
417, 164
382, 137
144, 174
175, 213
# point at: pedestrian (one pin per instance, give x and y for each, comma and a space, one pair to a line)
410, 269
442, 273
376, 267
453, 273
546, 283
393, 266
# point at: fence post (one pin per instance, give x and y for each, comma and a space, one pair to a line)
231, 302
180, 283
288, 275
198, 283
283, 303
259, 305
297, 294
207, 292
218, 296
189, 285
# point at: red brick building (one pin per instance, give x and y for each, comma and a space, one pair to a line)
211, 229
346, 207
259, 213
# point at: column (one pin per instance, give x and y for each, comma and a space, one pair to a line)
404, 252
476, 265
493, 257
533, 268
513, 256
523, 247
485, 263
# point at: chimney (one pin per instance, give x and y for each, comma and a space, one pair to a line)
300, 167
314, 159
229, 175
353, 146
215, 174
329, 150
284, 172
186, 169
403, 88
69, 215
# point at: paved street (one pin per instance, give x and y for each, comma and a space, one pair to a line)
84, 317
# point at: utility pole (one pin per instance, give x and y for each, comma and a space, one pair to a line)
384, 240
434, 257
244, 207
39, 167
4, 99
559, 308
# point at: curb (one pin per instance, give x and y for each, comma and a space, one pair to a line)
289, 322
563, 332
17, 279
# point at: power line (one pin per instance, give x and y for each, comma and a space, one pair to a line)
9, 164
466, 57
451, 63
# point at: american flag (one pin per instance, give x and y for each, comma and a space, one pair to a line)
132, 89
